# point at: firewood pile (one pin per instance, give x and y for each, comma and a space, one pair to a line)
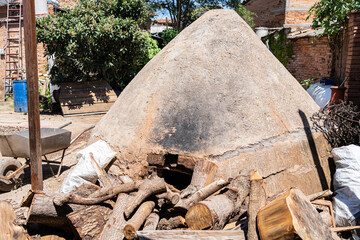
236, 208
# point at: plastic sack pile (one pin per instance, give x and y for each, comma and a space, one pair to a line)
84, 170
347, 186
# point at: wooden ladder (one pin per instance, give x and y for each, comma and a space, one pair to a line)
13, 46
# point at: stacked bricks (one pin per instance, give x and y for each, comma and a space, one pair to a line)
270, 13
311, 58
352, 71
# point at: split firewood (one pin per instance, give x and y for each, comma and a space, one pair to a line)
327, 213
323, 194
113, 228
216, 211
171, 223
291, 216
204, 173
104, 179
9, 230
191, 234
202, 194
147, 188
44, 211
152, 221
170, 196
256, 202
345, 229
89, 222
138, 219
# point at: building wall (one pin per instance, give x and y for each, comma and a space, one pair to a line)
352, 70
311, 58
42, 59
297, 11
270, 13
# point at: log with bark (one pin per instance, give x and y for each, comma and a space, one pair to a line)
191, 234
89, 222
256, 202
290, 216
152, 221
202, 194
171, 222
216, 211
138, 219
44, 211
204, 173
113, 228
146, 189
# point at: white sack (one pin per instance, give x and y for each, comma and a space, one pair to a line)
347, 185
84, 170
320, 93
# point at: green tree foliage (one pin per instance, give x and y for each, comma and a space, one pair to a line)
98, 39
167, 35
331, 15
247, 15
184, 12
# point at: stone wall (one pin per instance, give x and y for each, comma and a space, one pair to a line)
311, 58
270, 13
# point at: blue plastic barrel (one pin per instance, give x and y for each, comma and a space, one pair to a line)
20, 96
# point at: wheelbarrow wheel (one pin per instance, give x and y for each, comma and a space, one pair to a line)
8, 166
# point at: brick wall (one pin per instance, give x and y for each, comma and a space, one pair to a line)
311, 58
42, 59
297, 17
270, 13
352, 70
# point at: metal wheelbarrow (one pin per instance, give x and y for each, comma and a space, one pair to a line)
16, 145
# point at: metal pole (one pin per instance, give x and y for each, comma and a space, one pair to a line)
33, 95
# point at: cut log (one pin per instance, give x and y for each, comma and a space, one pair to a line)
89, 222
216, 211
147, 188
138, 219
9, 230
104, 179
170, 196
291, 216
113, 228
191, 234
44, 211
171, 223
201, 194
256, 202
86, 189
204, 173
151, 222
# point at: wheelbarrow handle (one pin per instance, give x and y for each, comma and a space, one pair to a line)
72, 141
65, 125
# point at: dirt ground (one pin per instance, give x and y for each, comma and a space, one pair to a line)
10, 120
